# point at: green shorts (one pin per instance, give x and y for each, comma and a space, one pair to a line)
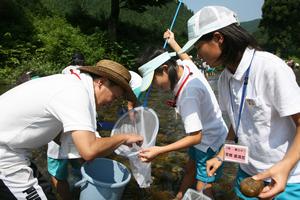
200, 158
291, 192
59, 167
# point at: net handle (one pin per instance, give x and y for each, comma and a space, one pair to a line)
145, 103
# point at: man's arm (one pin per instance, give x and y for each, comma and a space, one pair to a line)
90, 147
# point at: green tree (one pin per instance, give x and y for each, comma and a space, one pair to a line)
41, 35
137, 5
281, 22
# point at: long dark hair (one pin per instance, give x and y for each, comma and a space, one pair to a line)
151, 53
236, 40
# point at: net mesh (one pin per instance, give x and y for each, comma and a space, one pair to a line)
191, 194
142, 121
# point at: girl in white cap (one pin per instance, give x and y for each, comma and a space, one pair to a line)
197, 105
260, 94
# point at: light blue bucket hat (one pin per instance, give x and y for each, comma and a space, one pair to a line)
147, 70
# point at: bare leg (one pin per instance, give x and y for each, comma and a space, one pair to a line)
62, 188
188, 179
207, 190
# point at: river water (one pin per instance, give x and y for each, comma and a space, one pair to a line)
168, 169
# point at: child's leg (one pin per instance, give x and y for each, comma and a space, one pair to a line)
58, 169
75, 176
188, 179
62, 188
205, 182
206, 188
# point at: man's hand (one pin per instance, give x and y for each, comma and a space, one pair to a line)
133, 138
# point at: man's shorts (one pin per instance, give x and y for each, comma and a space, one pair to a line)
291, 192
24, 182
59, 167
200, 159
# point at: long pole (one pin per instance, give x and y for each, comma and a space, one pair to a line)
165, 45
173, 21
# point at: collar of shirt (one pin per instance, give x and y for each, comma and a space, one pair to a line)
243, 65
87, 81
180, 81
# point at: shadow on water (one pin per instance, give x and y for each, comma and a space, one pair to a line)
168, 169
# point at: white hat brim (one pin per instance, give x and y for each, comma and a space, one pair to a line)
189, 45
147, 70
147, 80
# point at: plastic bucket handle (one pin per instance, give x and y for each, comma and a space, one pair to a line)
81, 182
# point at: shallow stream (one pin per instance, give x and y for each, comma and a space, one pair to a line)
168, 169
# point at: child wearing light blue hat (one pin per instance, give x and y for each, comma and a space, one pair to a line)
196, 103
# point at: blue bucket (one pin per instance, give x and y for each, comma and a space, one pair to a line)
103, 179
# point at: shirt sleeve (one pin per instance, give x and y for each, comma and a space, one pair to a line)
72, 107
189, 110
284, 90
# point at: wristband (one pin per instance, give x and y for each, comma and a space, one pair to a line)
219, 159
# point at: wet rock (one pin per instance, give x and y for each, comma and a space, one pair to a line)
250, 187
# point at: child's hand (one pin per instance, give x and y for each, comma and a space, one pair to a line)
279, 174
212, 165
147, 155
169, 36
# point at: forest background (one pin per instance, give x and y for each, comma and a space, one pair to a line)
42, 35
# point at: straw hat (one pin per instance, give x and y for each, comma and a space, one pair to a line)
114, 72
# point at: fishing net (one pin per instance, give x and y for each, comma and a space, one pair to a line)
143, 121
191, 194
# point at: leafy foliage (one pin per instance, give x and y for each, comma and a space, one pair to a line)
41, 35
141, 5
251, 26
281, 23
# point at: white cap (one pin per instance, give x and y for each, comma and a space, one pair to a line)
206, 20
147, 70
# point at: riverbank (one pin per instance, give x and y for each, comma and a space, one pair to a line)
167, 170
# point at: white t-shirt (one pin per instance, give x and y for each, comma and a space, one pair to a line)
67, 148
68, 69
34, 113
272, 96
199, 109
